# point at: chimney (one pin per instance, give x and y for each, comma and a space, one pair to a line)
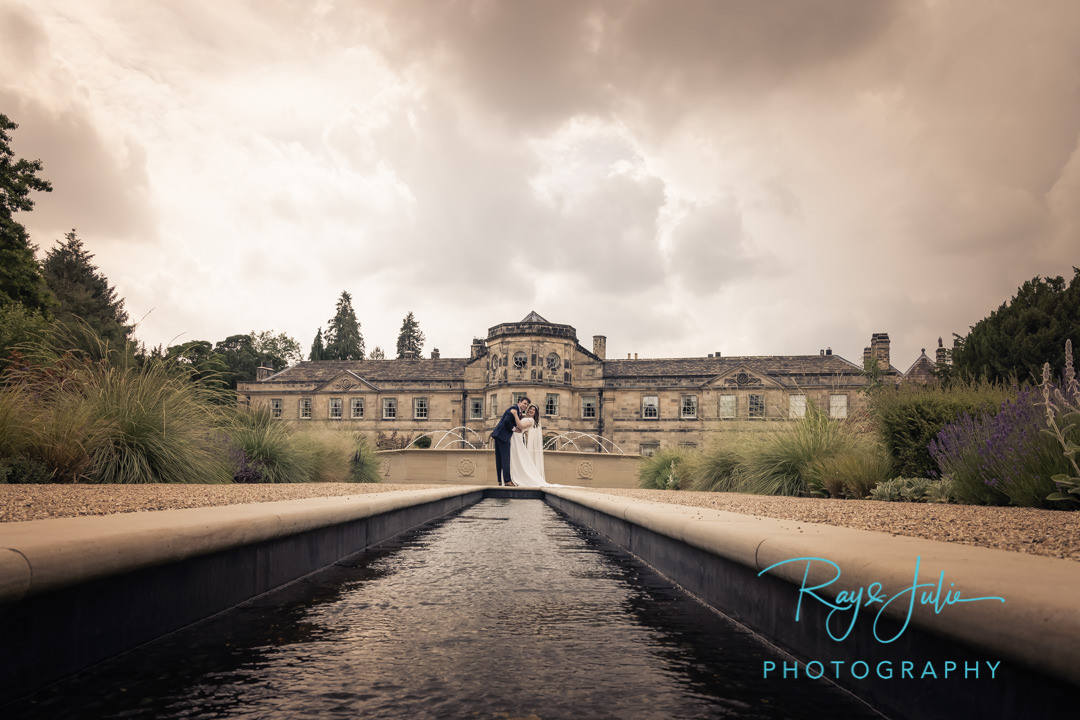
477, 348
942, 354
879, 349
435, 354
261, 373
865, 356
635, 356
717, 353
599, 346
828, 351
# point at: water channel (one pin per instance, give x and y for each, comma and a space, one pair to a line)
505, 610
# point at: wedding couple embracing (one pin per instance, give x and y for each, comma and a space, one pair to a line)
519, 446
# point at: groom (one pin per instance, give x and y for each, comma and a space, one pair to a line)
501, 435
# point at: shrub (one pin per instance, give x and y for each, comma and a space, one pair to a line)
423, 442
850, 474
101, 417
782, 462
909, 417
665, 470
1001, 458
261, 449
912, 490
716, 469
1063, 425
364, 463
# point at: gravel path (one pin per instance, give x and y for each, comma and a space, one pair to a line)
1039, 532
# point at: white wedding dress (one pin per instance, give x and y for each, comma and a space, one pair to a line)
527, 456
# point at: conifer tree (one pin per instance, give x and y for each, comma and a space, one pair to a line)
318, 350
343, 338
1030, 329
20, 275
82, 291
410, 341
377, 354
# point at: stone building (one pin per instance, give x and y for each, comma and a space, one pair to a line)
639, 405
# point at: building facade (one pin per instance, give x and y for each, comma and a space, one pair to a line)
637, 405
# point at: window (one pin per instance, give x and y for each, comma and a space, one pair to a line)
650, 406
757, 406
588, 406
727, 407
356, 408
476, 408
554, 362
419, 408
494, 405
389, 408
838, 406
335, 408
797, 406
518, 396
688, 445
551, 405
649, 449
305, 408
275, 407
520, 360
689, 406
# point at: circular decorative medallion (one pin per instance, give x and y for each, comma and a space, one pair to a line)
554, 362
520, 360
466, 468
585, 470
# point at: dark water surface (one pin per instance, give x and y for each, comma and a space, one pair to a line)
506, 610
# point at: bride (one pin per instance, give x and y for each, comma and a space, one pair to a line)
527, 451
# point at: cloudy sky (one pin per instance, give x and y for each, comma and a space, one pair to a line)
684, 177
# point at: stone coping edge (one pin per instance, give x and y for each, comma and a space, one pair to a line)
1038, 625
39, 556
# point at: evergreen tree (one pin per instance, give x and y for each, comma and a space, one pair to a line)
20, 275
83, 292
410, 341
318, 350
377, 354
343, 338
1022, 334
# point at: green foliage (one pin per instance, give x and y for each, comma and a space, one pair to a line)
318, 350
83, 292
1001, 457
343, 338
909, 417
377, 354
665, 470
851, 474
913, 490
263, 449
1063, 425
1015, 340
18, 326
276, 352
94, 414
782, 462
410, 341
423, 442
716, 469
21, 281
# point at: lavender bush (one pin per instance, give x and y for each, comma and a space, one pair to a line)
1001, 458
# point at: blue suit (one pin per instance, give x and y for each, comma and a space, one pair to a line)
501, 435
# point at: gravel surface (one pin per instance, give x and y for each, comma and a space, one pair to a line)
1039, 532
